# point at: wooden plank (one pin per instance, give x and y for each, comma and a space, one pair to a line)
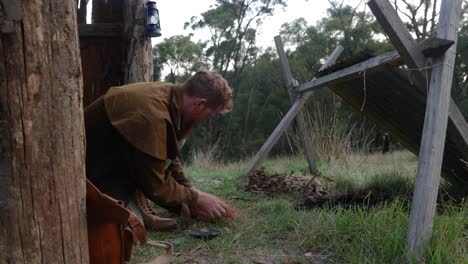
433, 138
108, 11
105, 30
287, 119
394, 105
370, 65
290, 83
101, 60
413, 57
287, 74
434, 45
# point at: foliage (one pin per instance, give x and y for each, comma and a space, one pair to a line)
233, 25
260, 96
460, 87
180, 55
423, 26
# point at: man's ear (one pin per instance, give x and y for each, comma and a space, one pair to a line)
201, 101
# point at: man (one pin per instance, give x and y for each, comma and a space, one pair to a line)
133, 133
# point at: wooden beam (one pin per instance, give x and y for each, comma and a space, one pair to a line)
287, 119
290, 84
433, 138
414, 58
105, 30
433, 45
370, 65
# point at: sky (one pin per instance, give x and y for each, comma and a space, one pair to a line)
174, 13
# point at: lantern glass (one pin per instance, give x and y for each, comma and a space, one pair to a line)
153, 28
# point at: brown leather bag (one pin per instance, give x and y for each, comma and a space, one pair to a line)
112, 228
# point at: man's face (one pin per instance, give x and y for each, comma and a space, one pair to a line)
202, 112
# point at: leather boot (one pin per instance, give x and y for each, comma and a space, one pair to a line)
152, 221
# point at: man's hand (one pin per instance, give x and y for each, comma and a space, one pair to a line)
210, 207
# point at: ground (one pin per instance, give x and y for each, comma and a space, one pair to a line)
270, 230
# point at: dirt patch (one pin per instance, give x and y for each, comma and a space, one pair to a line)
281, 183
313, 194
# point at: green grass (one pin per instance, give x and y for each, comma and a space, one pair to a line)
271, 231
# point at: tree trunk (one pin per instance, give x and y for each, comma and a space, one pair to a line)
139, 64
42, 165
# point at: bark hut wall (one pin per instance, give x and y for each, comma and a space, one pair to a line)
102, 56
118, 59
42, 172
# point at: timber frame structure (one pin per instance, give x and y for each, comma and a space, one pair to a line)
443, 143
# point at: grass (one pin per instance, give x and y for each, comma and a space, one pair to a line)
271, 231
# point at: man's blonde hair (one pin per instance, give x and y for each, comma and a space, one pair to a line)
212, 87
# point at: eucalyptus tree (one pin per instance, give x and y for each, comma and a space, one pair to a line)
178, 55
420, 16
233, 25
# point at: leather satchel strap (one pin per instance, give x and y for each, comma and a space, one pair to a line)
138, 230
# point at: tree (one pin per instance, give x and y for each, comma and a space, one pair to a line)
42, 153
233, 25
182, 56
423, 26
460, 85
354, 30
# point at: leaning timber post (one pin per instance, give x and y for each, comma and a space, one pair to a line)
291, 83
286, 121
42, 152
433, 139
139, 63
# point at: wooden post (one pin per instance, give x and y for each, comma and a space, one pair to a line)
139, 63
413, 57
433, 138
287, 119
290, 84
42, 154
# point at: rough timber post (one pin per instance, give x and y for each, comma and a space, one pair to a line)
139, 59
290, 84
42, 157
287, 119
433, 138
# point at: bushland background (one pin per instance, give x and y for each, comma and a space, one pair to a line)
346, 144
260, 96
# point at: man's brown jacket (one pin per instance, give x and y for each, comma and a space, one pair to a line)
130, 133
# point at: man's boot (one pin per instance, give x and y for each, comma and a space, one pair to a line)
151, 220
